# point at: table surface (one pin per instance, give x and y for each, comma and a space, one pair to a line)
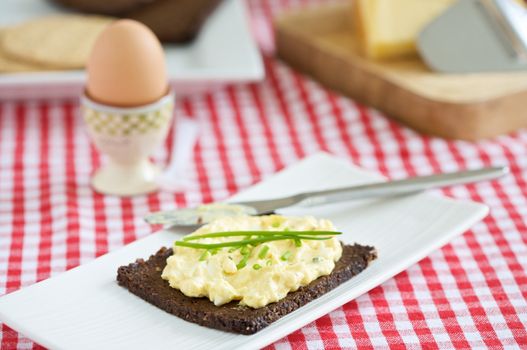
471, 293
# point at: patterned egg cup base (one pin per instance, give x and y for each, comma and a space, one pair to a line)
127, 136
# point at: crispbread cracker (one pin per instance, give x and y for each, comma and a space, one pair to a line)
10, 65
60, 42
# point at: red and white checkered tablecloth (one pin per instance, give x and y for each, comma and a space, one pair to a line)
470, 294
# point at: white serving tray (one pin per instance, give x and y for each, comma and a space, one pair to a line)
224, 52
85, 308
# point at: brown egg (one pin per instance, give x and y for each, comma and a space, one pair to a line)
126, 67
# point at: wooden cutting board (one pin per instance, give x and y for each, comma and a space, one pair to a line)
320, 42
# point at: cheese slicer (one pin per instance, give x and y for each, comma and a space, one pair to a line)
476, 36
209, 212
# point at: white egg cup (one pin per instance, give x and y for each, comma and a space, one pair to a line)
127, 136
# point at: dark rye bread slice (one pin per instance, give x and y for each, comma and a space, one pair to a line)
143, 278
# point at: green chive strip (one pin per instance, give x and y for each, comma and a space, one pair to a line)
263, 252
285, 256
243, 242
243, 262
260, 233
204, 255
257, 266
246, 253
244, 250
214, 251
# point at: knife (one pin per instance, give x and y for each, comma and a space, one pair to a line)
209, 212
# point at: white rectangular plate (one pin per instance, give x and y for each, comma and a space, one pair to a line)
224, 52
84, 308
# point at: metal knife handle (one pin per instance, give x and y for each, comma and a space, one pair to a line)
400, 187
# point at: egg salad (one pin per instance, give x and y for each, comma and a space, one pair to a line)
256, 273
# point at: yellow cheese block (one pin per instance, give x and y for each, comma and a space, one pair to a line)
389, 28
